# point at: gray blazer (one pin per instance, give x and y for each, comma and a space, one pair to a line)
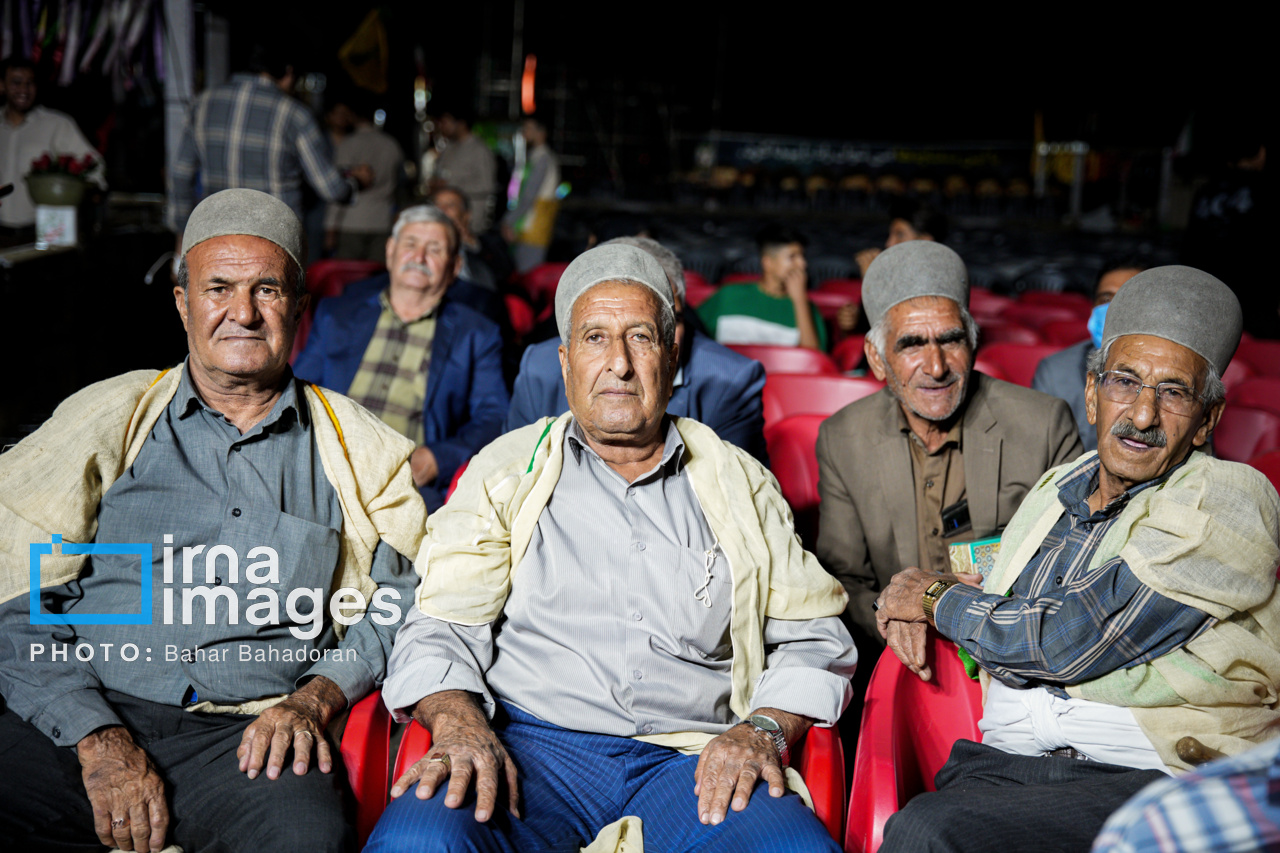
867, 530
1062, 375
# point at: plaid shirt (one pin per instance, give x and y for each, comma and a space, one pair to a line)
249, 134
1062, 622
391, 381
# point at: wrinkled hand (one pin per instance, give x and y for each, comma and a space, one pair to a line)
864, 259
363, 175
125, 791
423, 466
731, 765
460, 732
847, 316
796, 284
903, 598
297, 723
908, 640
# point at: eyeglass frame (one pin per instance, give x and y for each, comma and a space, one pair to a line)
1195, 398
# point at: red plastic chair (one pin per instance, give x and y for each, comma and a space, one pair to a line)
788, 394
999, 331
1261, 355
985, 304
1077, 302
1245, 432
848, 353
1238, 372
829, 303
1269, 464
1064, 333
908, 728
1018, 362
453, 484
787, 359
324, 279
1257, 392
541, 282
848, 286
818, 758
794, 460
521, 315
738, 277
697, 292
1035, 316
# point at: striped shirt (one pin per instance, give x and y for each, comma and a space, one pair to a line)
1062, 622
247, 133
391, 381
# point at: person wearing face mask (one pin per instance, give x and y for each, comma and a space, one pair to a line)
1061, 375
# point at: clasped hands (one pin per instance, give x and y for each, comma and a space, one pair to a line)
900, 615
465, 751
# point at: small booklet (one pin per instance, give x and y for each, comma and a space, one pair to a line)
977, 557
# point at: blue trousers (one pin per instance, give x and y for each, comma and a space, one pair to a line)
572, 784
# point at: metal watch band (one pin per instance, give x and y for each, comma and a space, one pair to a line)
931, 596
770, 726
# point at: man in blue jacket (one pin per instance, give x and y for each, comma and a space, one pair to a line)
714, 384
428, 366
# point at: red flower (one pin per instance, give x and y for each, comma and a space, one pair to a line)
42, 163
75, 167
64, 161
86, 162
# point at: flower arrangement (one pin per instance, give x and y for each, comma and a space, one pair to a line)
64, 164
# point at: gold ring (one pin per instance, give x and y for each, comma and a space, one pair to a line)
443, 759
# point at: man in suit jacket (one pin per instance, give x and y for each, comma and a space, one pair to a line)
942, 455
427, 365
714, 384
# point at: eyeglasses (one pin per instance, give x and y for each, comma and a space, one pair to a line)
1124, 388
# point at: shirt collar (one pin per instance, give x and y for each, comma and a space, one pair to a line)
955, 435
384, 298
1075, 488
672, 451
188, 401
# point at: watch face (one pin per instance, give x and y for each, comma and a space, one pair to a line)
760, 721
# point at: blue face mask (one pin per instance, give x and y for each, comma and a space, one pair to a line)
1096, 321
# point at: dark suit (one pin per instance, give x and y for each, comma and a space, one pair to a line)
466, 397
1011, 435
718, 387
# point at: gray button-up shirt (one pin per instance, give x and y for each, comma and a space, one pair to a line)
199, 482
618, 618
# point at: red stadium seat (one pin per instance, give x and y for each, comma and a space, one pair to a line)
985, 304
1064, 333
1000, 331
848, 353
848, 286
787, 359
520, 313
818, 758
1018, 362
739, 277
829, 303
1261, 355
1269, 464
1257, 392
787, 394
324, 279
1245, 432
697, 292
1035, 316
1239, 372
794, 460
453, 484
1077, 302
992, 370
908, 728
541, 283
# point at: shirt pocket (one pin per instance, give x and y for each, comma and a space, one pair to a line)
697, 602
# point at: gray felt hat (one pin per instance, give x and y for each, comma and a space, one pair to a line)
912, 269
1179, 304
247, 212
611, 262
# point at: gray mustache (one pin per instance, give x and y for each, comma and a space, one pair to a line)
1154, 437
414, 266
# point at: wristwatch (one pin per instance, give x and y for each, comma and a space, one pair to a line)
932, 594
770, 726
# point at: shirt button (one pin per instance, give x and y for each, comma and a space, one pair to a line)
1058, 579
636, 616
928, 484
638, 674
648, 728
217, 581
236, 448
57, 732
935, 531
641, 545
236, 513
630, 492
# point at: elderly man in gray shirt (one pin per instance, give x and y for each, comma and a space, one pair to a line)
242, 578
606, 594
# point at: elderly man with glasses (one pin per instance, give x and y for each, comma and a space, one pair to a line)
1130, 626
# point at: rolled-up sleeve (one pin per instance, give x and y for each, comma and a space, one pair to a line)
431, 656
808, 666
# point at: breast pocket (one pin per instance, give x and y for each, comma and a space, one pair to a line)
699, 603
